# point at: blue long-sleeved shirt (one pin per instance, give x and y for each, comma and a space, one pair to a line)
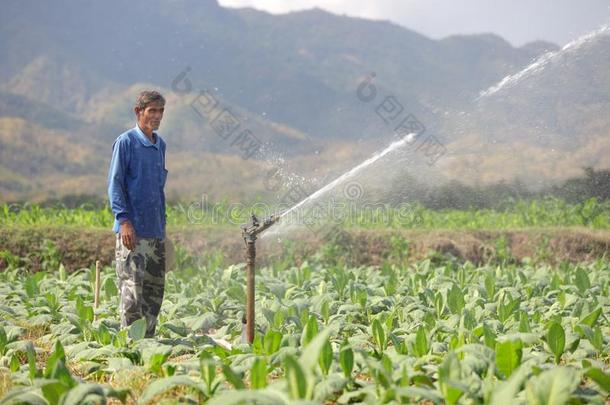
136, 182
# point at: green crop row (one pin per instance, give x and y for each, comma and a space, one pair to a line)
514, 214
435, 332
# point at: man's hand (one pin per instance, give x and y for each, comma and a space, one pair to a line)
128, 235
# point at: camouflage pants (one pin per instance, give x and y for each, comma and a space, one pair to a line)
141, 274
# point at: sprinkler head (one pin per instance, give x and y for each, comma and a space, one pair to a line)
255, 226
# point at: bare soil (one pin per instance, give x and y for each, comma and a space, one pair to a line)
81, 247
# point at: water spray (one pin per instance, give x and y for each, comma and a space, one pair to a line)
407, 140
250, 232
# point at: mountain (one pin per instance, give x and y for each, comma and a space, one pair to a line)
543, 94
72, 68
548, 120
291, 67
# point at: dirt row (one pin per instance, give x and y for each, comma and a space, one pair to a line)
77, 248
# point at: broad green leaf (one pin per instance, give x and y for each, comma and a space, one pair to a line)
421, 346
524, 324
272, 339
439, 304
596, 338
155, 362
325, 310
31, 356
3, 340
31, 286
103, 335
177, 329
527, 339
232, 378
556, 339
468, 320
328, 388
117, 363
258, 373
506, 310
378, 335
581, 280
400, 345
508, 356
309, 357
310, 331
505, 392
237, 292
346, 360
381, 376
101, 353
278, 319
489, 336
207, 370
490, 285
121, 393
552, 387
387, 365
29, 396
110, 289
455, 300
422, 380
573, 343
57, 355
326, 357
137, 330
161, 385
61, 373
418, 394
600, 377
14, 364
120, 338
84, 311
249, 397
296, 378
257, 344
591, 319
52, 390
84, 392
449, 375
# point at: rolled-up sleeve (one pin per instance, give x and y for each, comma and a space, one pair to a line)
117, 187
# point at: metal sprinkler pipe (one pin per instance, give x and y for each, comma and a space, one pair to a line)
249, 232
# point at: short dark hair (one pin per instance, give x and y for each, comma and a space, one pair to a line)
148, 97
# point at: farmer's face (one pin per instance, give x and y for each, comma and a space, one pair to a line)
149, 118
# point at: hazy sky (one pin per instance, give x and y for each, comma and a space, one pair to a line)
518, 21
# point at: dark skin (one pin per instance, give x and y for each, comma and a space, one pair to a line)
149, 120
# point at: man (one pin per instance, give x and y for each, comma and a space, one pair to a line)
136, 182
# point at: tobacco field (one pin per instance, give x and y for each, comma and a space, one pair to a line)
436, 331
